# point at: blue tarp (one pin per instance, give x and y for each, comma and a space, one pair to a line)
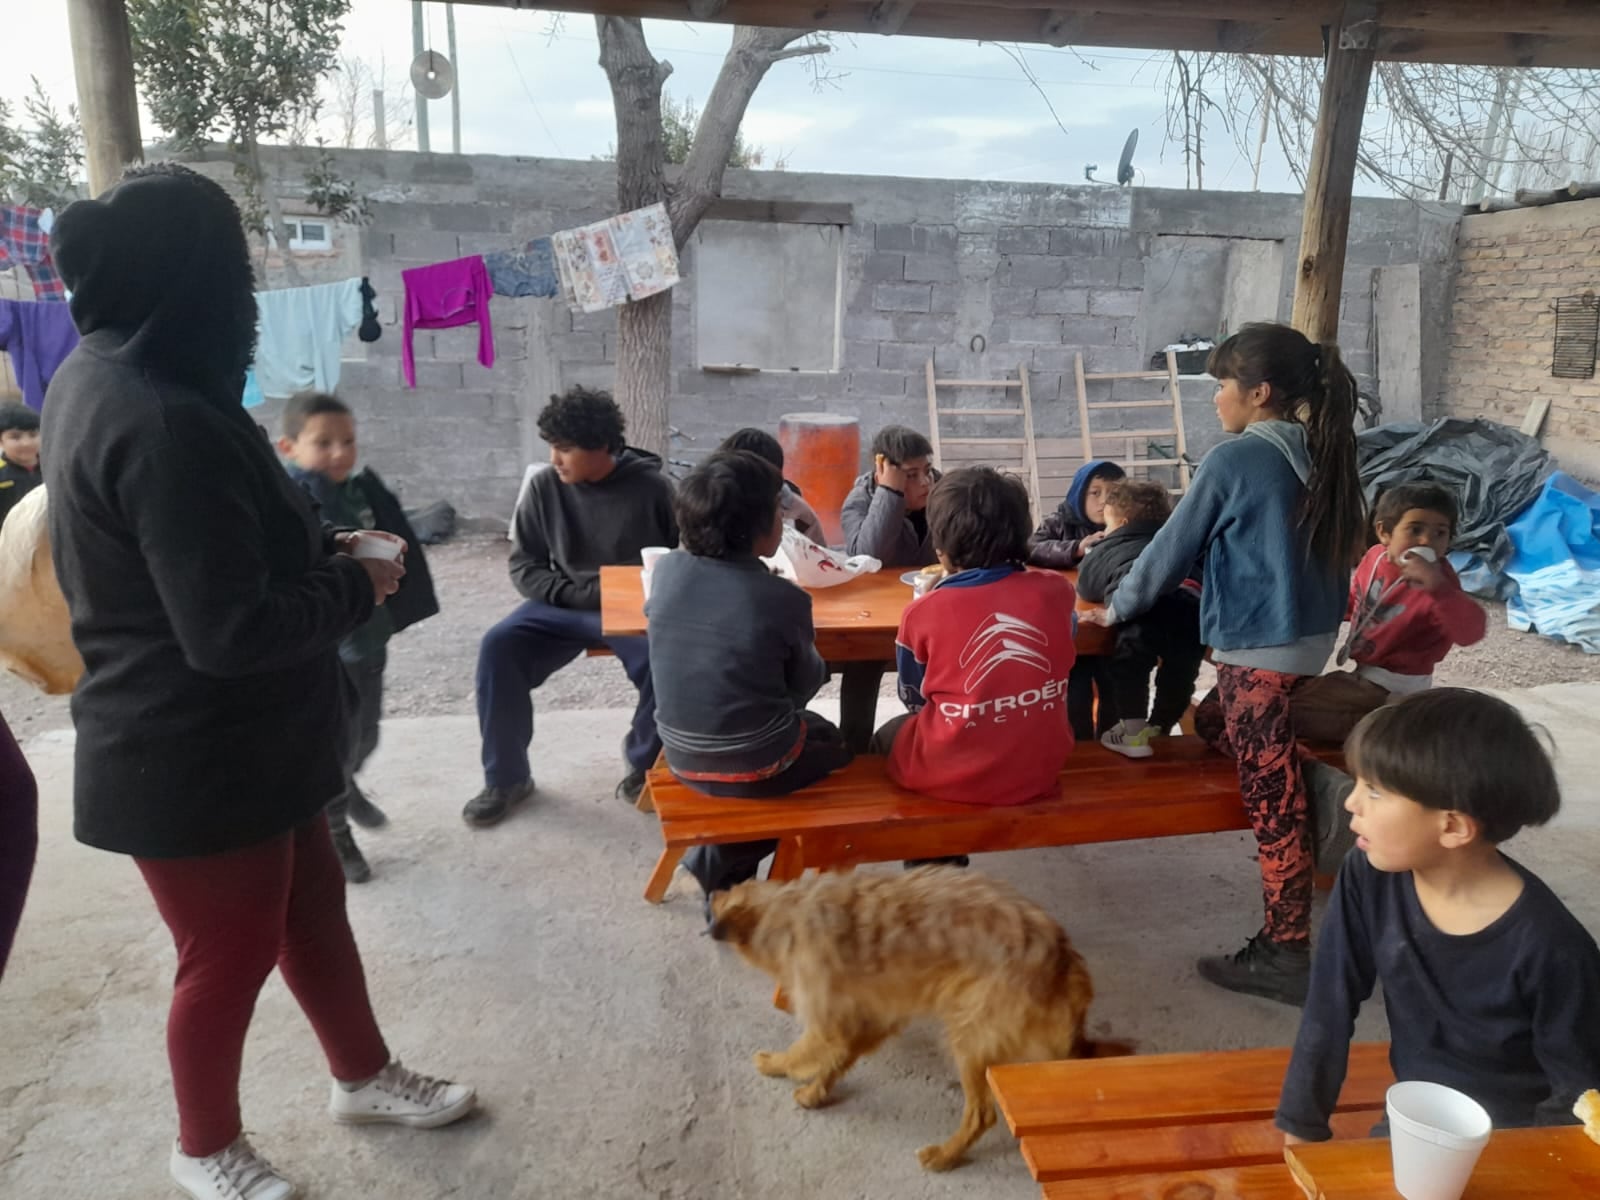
1555, 565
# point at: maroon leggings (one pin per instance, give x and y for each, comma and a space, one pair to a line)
1247, 718
235, 916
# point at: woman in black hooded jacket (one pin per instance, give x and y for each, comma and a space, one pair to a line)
208, 603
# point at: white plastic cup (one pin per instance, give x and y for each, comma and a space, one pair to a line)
650, 556
1435, 1136
375, 543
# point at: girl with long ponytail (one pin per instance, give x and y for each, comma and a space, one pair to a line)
1278, 518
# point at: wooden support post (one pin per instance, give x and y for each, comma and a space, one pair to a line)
1325, 226
102, 61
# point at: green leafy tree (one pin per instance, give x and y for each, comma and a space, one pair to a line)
240, 71
680, 123
41, 163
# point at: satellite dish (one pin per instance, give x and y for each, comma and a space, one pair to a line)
1124, 164
432, 75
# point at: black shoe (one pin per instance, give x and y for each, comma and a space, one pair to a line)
365, 813
1275, 970
351, 859
630, 787
955, 860
490, 806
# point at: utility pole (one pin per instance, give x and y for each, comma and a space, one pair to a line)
455, 91
380, 121
102, 62
421, 101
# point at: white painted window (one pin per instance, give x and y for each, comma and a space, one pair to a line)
307, 234
768, 295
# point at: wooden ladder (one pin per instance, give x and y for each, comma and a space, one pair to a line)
1024, 459
1173, 403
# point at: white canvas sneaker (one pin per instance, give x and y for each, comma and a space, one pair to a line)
237, 1173
396, 1096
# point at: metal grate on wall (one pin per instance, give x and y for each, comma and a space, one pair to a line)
1577, 336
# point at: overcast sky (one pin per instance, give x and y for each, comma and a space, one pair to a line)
900, 106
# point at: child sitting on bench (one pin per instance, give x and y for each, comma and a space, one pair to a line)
1062, 540
984, 657
1407, 610
733, 656
1169, 634
1491, 986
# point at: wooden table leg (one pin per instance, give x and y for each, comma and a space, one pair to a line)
788, 863
661, 878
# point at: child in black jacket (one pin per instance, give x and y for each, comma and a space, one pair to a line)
1169, 634
319, 440
1060, 542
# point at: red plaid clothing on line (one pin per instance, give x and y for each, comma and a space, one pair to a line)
23, 242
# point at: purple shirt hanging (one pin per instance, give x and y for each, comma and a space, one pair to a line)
38, 337
443, 296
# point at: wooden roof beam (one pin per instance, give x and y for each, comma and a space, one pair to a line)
1026, 20
1548, 17
889, 16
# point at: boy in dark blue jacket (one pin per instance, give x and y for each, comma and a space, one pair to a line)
1078, 525
319, 439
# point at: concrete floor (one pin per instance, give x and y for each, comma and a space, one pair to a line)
609, 1041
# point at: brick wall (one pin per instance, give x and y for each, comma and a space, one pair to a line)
1512, 267
983, 277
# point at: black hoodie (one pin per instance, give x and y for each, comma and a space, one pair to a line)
203, 596
565, 532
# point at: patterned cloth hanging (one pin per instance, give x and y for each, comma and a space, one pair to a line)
624, 258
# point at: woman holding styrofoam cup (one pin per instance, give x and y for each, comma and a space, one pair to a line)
383, 556
1435, 1137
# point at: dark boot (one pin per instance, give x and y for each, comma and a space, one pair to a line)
630, 787
364, 812
351, 859
490, 806
1278, 971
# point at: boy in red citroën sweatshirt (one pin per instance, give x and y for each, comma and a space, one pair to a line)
984, 657
1407, 610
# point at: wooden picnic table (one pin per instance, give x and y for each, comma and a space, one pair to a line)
1170, 1126
855, 621
1559, 1163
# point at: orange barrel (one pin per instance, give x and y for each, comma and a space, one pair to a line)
822, 457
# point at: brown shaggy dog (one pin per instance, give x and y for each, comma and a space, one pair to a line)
860, 955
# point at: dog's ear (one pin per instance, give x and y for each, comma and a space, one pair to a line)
733, 920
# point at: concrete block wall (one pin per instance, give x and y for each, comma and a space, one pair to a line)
1512, 267
982, 277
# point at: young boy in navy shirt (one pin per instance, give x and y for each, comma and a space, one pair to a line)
1491, 986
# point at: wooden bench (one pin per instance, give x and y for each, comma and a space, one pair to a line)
1169, 1125
857, 815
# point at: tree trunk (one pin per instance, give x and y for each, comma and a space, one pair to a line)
268, 195
644, 329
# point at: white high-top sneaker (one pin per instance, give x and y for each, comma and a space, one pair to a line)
396, 1096
237, 1173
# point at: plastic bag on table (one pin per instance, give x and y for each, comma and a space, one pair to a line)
802, 561
35, 632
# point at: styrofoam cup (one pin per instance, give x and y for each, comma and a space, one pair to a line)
375, 543
651, 555
1435, 1136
